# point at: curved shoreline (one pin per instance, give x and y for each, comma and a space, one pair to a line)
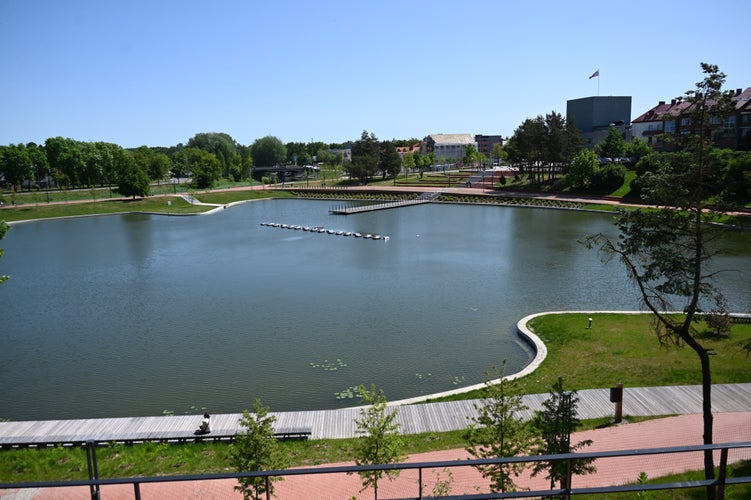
541, 352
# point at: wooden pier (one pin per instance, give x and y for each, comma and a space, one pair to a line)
356, 209
414, 419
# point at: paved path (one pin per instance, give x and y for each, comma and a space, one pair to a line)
674, 431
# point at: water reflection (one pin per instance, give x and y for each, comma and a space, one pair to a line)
132, 315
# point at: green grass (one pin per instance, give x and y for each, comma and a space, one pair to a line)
619, 348
622, 348
167, 204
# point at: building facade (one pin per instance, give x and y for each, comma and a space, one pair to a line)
594, 116
670, 118
486, 143
448, 148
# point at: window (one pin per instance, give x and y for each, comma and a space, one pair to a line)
669, 126
729, 123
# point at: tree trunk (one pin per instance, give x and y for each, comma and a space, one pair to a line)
706, 387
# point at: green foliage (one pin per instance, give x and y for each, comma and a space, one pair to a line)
132, 180
379, 442
365, 158
257, 450
555, 423
268, 151
498, 431
582, 169
205, 167
613, 146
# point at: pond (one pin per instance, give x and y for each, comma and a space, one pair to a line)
137, 314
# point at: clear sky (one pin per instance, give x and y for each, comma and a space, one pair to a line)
157, 72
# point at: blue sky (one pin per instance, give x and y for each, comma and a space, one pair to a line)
156, 72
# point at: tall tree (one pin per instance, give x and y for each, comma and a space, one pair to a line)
221, 145
132, 180
499, 431
255, 449
365, 157
380, 442
268, 151
16, 165
205, 167
666, 252
389, 161
614, 145
555, 423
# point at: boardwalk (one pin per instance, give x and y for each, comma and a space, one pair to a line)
417, 418
356, 209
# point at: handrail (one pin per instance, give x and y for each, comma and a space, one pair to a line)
721, 481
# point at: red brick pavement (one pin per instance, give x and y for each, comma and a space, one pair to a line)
673, 431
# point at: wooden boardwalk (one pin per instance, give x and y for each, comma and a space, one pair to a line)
417, 418
355, 209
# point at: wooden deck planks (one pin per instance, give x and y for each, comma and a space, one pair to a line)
418, 418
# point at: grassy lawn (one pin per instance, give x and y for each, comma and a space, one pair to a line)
619, 348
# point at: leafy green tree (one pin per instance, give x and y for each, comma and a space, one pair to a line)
365, 158
379, 442
554, 424
666, 251
582, 170
408, 162
499, 431
16, 165
471, 155
497, 153
159, 166
39, 163
635, 150
609, 176
221, 145
614, 145
389, 161
132, 180
268, 151
205, 167
4, 228
255, 449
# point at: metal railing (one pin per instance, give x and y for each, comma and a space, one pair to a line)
719, 483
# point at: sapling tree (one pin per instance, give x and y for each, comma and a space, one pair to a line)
554, 424
379, 442
257, 450
499, 431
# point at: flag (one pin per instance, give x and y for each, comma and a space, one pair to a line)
595, 74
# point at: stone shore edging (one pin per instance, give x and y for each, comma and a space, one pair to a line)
541, 352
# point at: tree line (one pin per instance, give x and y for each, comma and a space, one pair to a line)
207, 157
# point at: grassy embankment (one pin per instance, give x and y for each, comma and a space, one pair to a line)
619, 348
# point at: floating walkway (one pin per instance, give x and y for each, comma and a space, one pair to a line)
356, 209
323, 230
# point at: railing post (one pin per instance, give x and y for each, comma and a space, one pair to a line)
93, 469
722, 473
419, 483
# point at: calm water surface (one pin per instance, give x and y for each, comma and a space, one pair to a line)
136, 314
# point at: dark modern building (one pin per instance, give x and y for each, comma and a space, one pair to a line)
593, 116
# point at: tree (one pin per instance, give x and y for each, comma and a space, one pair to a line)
4, 228
613, 146
498, 431
497, 153
471, 155
555, 423
365, 158
582, 169
16, 165
408, 162
667, 251
132, 180
255, 449
379, 442
389, 161
205, 167
268, 151
221, 145
159, 166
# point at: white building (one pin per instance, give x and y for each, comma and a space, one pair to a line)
449, 147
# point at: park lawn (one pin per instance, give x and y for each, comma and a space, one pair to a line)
622, 348
153, 205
